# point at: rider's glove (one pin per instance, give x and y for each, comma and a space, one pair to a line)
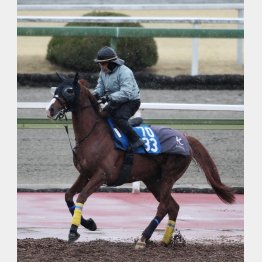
104, 99
96, 95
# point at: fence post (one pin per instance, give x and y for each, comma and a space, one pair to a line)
136, 185
113, 43
195, 42
240, 42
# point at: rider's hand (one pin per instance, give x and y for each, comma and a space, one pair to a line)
97, 96
104, 99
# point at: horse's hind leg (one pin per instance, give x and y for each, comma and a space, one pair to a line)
174, 168
162, 210
173, 209
69, 195
181, 165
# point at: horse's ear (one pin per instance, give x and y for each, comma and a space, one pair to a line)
61, 77
84, 83
76, 78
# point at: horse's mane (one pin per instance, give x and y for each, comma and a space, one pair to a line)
84, 84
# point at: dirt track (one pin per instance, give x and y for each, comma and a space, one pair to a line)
52, 249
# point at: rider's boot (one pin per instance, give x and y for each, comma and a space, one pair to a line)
139, 142
133, 137
135, 140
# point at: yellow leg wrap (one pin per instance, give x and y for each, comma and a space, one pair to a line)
169, 232
76, 220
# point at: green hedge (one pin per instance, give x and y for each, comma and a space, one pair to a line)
78, 53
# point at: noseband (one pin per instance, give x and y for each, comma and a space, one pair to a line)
64, 109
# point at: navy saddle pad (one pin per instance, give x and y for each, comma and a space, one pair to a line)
157, 140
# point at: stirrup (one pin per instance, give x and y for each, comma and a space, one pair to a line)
138, 143
136, 121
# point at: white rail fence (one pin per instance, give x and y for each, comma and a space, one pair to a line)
46, 7
194, 21
133, 19
153, 106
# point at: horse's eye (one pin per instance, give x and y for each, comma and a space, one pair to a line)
70, 91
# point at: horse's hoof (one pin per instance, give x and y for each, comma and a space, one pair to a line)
73, 236
178, 239
140, 245
89, 224
162, 243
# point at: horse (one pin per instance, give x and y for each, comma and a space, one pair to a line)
99, 162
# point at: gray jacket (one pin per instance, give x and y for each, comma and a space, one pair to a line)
120, 85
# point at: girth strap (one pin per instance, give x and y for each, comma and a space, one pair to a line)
125, 171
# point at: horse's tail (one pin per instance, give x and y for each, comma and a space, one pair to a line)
207, 164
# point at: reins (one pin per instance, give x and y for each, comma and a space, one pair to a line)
63, 115
78, 142
88, 134
66, 129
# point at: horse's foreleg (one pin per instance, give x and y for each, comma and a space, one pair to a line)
69, 195
94, 183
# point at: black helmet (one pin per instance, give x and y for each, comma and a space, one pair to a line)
108, 54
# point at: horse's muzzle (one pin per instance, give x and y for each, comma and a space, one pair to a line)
55, 114
51, 112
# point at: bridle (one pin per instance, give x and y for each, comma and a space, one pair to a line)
71, 106
68, 108
64, 109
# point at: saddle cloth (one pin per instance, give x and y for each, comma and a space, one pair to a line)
157, 140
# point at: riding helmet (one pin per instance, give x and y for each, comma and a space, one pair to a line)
108, 54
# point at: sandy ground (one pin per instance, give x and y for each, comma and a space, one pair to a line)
52, 249
216, 56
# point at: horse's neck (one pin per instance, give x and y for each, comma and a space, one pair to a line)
85, 118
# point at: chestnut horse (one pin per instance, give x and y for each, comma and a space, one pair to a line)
100, 163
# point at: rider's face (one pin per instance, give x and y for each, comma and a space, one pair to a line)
103, 67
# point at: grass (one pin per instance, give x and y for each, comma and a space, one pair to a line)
181, 124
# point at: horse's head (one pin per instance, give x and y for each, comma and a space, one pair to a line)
65, 97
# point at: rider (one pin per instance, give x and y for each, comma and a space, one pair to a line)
117, 86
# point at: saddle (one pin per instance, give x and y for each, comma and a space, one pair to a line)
152, 143
158, 139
